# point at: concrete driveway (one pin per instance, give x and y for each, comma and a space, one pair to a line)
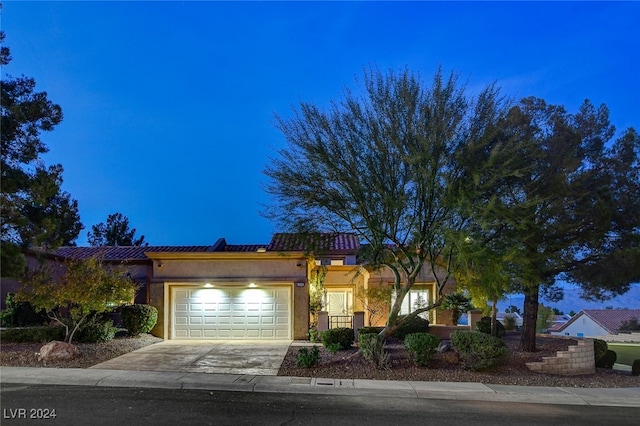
257, 357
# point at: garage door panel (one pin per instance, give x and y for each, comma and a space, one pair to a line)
232, 313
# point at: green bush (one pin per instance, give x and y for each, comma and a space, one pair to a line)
33, 334
340, 338
138, 319
635, 368
484, 326
600, 348
510, 322
314, 335
372, 348
421, 347
479, 350
368, 330
607, 360
415, 324
96, 329
308, 358
20, 314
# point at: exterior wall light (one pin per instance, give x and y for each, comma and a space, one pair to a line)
252, 285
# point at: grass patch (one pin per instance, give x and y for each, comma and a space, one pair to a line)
627, 353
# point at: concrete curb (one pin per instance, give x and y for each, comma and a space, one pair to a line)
613, 397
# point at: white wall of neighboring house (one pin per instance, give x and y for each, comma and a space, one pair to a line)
583, 326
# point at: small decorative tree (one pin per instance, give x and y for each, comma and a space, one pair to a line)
87, 286
458, 303
316, 292
376, 301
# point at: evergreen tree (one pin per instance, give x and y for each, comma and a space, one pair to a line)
35, 210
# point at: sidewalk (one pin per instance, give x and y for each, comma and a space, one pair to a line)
615, 397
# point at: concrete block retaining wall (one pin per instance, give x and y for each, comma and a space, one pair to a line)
576, 360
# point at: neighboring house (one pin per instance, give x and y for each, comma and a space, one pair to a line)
557, 321
596, 322
256, 291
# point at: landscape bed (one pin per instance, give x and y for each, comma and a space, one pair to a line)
347, 365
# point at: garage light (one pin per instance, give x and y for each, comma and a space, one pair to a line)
252, 285
208, 285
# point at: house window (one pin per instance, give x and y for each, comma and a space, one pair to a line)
339, 303
414, 300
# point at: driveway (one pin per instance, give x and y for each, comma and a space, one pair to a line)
257, 357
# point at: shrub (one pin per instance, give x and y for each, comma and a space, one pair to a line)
421, 347
415, 324
96, 329
33, 334
333, 347
138, 319
369, 330
635, 368
510, 322
607, 360
600, 348
479, 350
20, 314
308, 358
314, 335
372, 348
484, 326
340, 338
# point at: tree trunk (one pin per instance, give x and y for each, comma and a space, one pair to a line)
392, 320
494, 320
530, 315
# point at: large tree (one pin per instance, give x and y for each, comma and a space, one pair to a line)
553, 189
35, 210
384, 162
115, 232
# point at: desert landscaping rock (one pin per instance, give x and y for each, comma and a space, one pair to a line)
57, 351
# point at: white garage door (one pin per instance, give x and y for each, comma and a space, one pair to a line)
231, 313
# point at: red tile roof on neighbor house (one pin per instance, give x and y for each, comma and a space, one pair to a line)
609, 319
316, 242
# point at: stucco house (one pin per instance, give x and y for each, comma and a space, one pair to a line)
596, 322
255, 291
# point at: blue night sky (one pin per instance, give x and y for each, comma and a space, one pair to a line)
168, 106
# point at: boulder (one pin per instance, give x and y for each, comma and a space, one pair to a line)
444, 346
57, 351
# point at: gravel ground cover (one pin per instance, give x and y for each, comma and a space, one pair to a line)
349, 365
26, 354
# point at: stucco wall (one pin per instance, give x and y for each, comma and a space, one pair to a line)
584, 325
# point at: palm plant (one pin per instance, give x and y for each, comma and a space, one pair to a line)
457, 302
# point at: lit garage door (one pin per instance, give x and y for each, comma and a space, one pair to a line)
231, 313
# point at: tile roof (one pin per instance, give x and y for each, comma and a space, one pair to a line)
123, 252
609, 319
243, 247
318, 242
330, 242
